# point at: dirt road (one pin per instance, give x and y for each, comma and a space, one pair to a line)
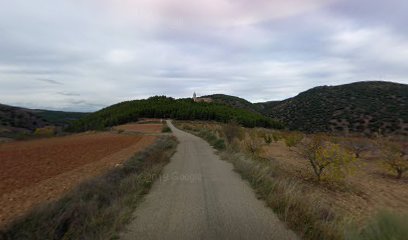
200, 197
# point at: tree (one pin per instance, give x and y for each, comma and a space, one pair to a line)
357, 146
324, 156
395, 157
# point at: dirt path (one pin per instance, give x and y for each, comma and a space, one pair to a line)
200, 197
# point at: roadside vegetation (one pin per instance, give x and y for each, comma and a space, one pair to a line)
166, 128
100, 207
322, 186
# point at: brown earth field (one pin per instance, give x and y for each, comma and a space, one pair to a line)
141, 128
37, 171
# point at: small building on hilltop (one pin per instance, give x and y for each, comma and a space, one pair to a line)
198, 99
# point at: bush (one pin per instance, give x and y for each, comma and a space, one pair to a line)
45, 132
219, 144
268, 138
253, 145
231, 131
292, 139
211, 138
166, 129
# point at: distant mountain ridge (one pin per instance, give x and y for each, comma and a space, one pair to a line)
364, 107
16, 120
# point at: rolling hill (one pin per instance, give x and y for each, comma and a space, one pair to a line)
165, 107
15, 121
235, 102
365, 107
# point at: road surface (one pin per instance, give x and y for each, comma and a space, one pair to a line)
199, 196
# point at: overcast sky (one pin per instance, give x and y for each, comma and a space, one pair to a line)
83, 55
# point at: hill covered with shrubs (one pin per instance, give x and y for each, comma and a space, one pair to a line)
165, 107
366, 107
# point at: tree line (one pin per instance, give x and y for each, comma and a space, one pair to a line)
166, 107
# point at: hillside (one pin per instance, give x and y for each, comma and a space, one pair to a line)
164, 107
235, 102
15, 121
367, 107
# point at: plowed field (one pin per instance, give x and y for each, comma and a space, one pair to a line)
32, 172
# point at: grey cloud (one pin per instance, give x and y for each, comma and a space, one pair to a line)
92, 54
50, 81
69, 94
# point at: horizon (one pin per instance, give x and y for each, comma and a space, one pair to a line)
83, 56
202, 95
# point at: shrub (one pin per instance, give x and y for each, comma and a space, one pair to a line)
292, 139
385, 226
268, 138
252, 145
211, 138
231, 131
166, 129
219, 144
45, 131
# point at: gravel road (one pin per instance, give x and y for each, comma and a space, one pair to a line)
199, 196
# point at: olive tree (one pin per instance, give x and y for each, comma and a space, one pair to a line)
395, 157
326, 158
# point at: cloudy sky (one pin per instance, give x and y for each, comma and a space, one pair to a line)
86, 54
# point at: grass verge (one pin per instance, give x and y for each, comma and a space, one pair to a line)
385, 226
98, 208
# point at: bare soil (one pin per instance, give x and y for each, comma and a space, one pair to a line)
36, 171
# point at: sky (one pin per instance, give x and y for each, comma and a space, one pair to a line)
83, 55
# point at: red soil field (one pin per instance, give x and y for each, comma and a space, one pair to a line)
40, 170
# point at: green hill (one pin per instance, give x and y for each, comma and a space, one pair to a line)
367, 107
164, 107
235, 102
15, 121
